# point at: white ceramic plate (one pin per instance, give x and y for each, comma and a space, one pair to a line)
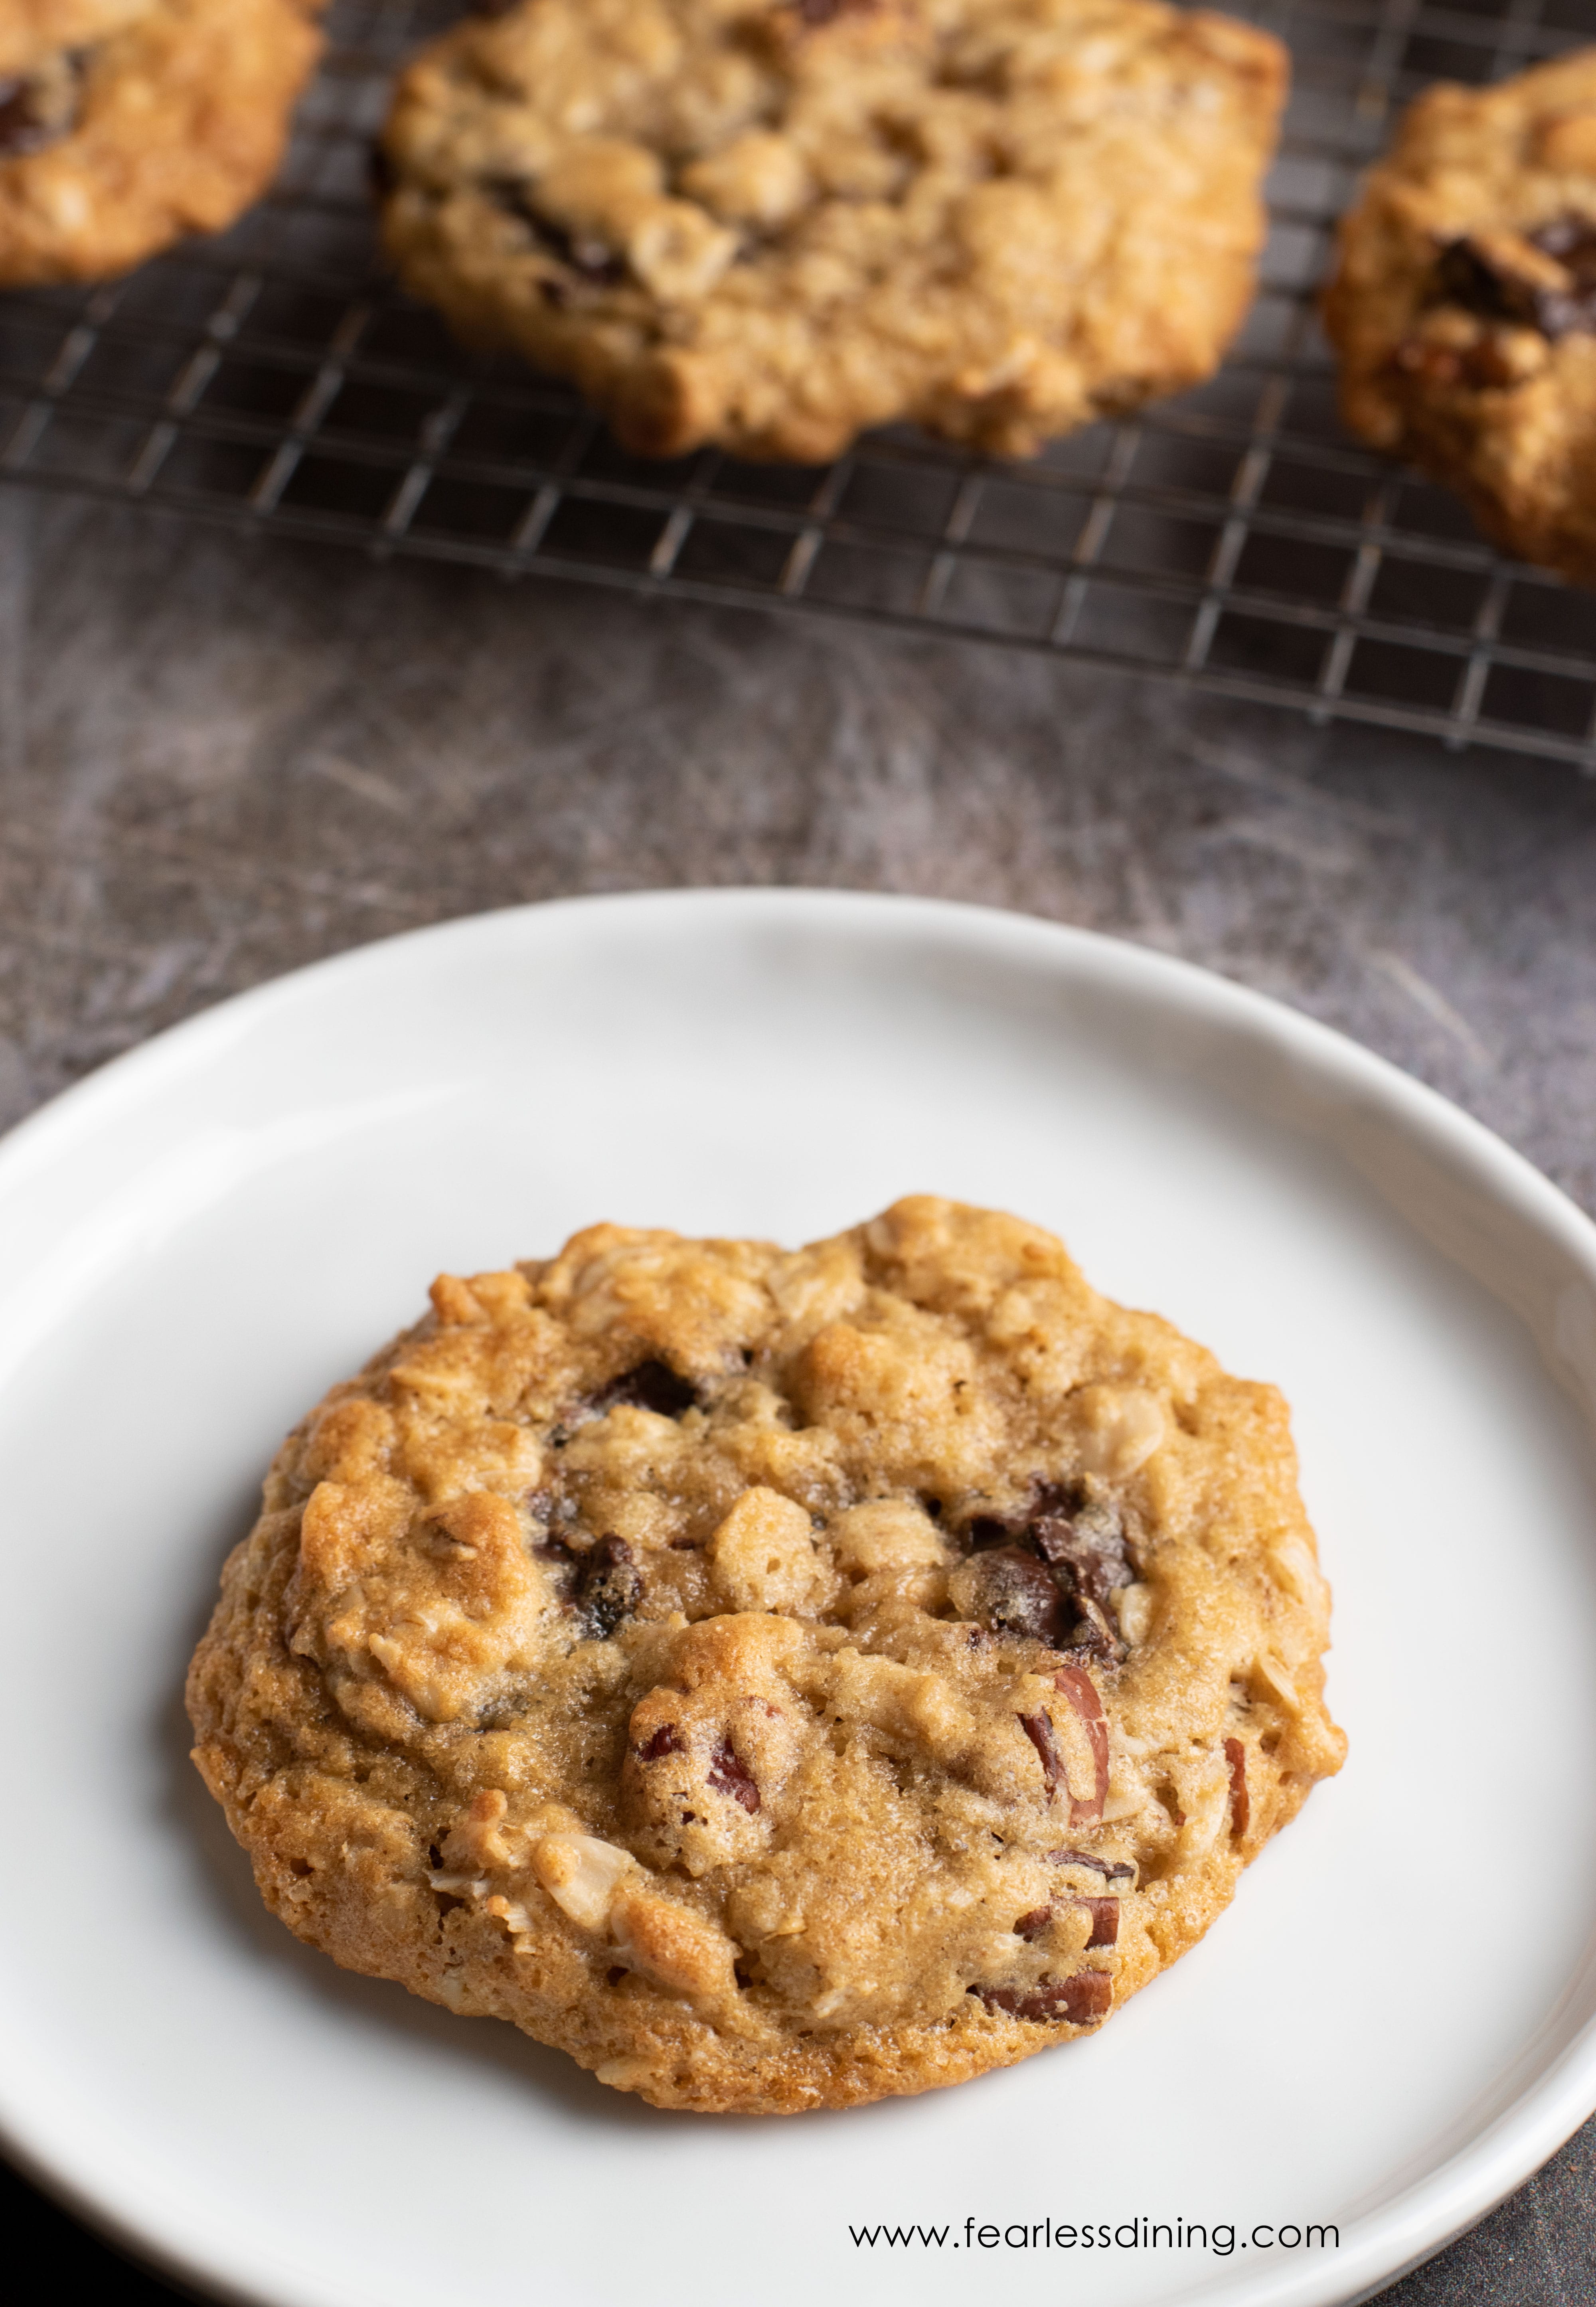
1391, 2026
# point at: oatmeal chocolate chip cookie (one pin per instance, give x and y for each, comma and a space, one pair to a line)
768, 226
1463, 305
778, 1679
126, 123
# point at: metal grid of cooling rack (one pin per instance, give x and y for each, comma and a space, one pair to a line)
1233, 539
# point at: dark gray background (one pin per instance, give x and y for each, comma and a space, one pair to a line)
220, 759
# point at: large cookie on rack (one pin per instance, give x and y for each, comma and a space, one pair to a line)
768, 227
125, 124
777, 1679
1463, 305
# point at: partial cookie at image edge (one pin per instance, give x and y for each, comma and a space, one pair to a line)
1462, 306
169, 124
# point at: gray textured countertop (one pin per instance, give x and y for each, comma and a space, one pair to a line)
220, 759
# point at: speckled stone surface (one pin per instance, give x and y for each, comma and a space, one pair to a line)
220, 759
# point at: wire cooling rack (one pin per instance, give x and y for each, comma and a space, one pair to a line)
1234, 538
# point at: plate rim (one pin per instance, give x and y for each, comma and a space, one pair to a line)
1443, 2202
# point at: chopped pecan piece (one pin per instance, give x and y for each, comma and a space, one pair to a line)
1039, 1729
1083, 1998
729, 1775
1105, 1920
1079, 1689
1113, 1870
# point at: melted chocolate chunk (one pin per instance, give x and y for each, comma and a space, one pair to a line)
652, 1386
38, 107
1083, 1998
986, 1531
1092, 1637
729, 1775
1077, 1547
591, 259
1478, 272
609, 1586
1017, 1595
1032, 1926
1464, 275
1088, 1543
666, 1740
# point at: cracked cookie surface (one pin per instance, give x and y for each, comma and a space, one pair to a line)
768, 227
125, 124
1463, 305
777, 1679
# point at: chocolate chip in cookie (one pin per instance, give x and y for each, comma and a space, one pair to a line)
1544, 279
609, 1585
38, 108
1464, 303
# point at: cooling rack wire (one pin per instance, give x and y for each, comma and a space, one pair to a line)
1234, 539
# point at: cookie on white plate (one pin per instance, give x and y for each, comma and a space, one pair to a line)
778, 1679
